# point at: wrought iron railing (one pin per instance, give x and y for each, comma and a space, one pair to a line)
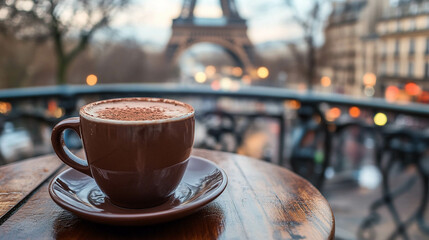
308, 128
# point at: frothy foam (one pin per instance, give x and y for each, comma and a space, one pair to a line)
137, 109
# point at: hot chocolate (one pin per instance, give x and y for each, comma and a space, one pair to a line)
137, 109
137, 149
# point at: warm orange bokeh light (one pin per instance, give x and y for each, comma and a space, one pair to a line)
354, 112
52, 106
294, 104
53, 109
369, 79
263, 72
5, 107
325, 81
391, 93
424, 97
210, 70
333, 114
412, 89
91, 80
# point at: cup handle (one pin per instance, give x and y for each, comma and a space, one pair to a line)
61, 149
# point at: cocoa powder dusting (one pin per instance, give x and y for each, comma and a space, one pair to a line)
133, 113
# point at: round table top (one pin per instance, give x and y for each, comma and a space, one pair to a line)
261, 201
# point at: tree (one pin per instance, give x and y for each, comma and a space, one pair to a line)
311, 22
69, 24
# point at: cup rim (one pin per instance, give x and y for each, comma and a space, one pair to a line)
88, 116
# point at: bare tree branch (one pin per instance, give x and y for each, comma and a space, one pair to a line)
59, 20
310, 24
84, 39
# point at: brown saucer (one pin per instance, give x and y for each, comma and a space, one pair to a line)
202, 183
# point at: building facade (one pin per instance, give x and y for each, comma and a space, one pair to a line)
383, 52
340, 55
402, 50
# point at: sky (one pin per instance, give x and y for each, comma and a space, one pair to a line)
149, 21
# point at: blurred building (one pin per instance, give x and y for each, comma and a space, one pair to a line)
342, 55
403, 51
378, 48
339, 51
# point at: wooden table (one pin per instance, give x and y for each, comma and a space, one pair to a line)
261, 201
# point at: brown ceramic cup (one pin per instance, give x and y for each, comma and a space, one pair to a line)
137, 164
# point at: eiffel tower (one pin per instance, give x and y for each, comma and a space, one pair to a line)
228, 31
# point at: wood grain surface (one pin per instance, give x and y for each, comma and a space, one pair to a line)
18, 180
261, 201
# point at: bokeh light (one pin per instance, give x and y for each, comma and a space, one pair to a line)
53, 109
5, 107
91, 80
333, 114
325, 81
263, 72
59, 112
380, 119
391, 93
210, 71
424, 97
215, 85
369, 79
226, 83
412, 89
354, 112
52, 106
200, 77
293, 104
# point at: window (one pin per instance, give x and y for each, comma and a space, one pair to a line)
382, 29
427, 46
397, 47
414, 9
383, 49
427, 70
410, 69
412, 24
396, 68
383, 68
412, 46
426, 6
